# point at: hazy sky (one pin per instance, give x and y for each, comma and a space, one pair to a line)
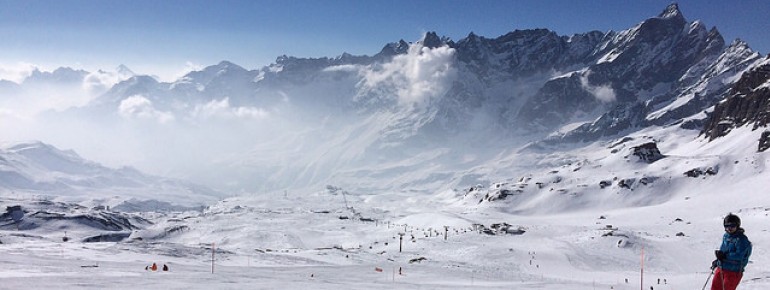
168, 37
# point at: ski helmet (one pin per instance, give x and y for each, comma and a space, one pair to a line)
732, 219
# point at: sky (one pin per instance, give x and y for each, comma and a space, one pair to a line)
168, 38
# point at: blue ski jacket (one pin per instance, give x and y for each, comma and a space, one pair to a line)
737, 249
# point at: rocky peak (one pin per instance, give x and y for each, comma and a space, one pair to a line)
135, 85
432, 40
473, 48
472, 41
290, 63
226, 66
672, 12
521, 37
60, 75
394, 48
124, 70
715, 40
211, 72
347, 58
739, 45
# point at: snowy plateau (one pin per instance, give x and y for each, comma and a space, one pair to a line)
603, 160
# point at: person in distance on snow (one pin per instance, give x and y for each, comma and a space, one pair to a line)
732, 256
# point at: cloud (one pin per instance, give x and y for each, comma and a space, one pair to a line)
343, 68
139, 107
100, 81
50, 92
16, 72
223, 109
603, 93
415, 77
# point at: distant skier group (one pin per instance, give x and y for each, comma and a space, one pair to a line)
154, 267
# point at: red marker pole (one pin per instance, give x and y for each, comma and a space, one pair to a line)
641, 280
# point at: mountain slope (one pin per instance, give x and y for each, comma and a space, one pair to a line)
41, 169
747, 104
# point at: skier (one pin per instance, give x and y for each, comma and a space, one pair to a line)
732, 256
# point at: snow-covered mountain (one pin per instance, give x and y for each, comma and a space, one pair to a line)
39, 169
57, 90
746, 104
430, 115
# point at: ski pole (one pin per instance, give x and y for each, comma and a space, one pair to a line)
707, 279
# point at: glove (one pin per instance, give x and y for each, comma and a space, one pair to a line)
720, 255
714, 264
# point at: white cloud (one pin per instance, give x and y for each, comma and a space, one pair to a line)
32, 98
223, 109
139, 107
100, 81
603, 93
16, 72
343, 68
417, 76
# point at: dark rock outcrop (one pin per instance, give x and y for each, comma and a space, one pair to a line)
647, 152
107, 237
748, 103
764, 141
697, 172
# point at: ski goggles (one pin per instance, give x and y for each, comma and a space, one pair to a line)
731, 226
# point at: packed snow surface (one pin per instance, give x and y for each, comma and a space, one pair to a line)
561, 231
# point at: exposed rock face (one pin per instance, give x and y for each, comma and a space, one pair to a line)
626, 183
647, 152
547, 108
764, 141
521, 53
697, 172
747, 103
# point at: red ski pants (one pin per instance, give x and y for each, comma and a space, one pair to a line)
726, 280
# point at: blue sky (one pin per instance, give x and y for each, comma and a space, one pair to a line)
166, 37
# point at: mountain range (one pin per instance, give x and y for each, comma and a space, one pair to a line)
43, 171
432, 114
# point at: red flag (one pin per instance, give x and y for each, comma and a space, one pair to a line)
378, 269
